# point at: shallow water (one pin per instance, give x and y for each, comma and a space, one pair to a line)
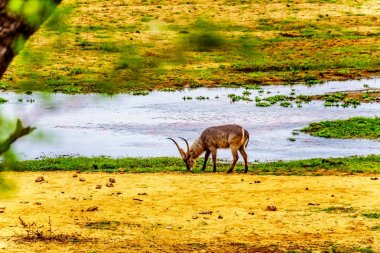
126, 125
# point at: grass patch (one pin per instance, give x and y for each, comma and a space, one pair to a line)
371, 215
335, 209
105, 225
369, 164
354, 128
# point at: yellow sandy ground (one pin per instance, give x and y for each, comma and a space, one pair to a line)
189, 212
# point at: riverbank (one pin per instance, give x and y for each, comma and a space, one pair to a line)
317, 166
140, 45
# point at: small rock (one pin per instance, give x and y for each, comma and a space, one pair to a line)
306, 188
38, 203
92, 209
242, 180
98, 186
205, 212
220, 216
143, 193
332, 195
313, 204
75, 175
78, 172
109, 184
112, 180
374, 178
271, 208
194, 216
251, 213
257, 182
168, 227
2, 210
140, 200
82, 179
40, 179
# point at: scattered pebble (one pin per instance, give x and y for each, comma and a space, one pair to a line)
38, 203
78, 171
306, 188
271, 208
313, 204
220, 216
92, 209
332, 195
374, 178
82, 179
98, 186
75, 175
195, 216
143, 193
109, 184
112, 180
205, 212
242, 180
40, 179
168, 227
251, 213
257, 182
138, 199
2, 210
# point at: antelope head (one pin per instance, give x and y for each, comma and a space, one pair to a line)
186, 156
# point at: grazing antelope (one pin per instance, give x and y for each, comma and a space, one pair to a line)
226, 136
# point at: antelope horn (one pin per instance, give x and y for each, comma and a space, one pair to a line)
181, 152
187, 145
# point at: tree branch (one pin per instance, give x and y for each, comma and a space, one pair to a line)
19, 132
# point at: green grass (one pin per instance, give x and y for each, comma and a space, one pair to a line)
335, 209
353, 128
318, 166
371, 215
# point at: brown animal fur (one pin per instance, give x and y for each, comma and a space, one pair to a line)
234, 137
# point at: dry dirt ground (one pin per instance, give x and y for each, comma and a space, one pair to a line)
176, 212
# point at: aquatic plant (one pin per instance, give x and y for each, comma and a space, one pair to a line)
140, 93
285, 104
3, 100
353, 128
236, 98
354, 102
274, 99
262, 104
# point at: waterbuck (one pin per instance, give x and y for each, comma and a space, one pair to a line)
226, 136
